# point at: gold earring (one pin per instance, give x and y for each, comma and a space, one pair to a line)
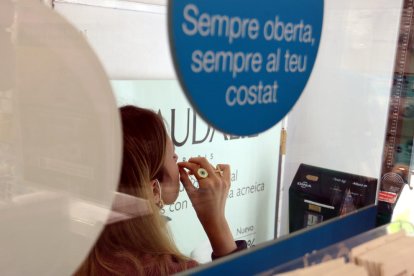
160, 204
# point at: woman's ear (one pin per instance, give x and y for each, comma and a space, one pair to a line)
156, 190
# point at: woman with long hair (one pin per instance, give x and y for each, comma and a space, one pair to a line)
142, 245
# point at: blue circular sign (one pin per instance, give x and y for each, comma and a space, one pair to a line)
243, 64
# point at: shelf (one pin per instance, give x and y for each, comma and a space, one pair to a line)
341, 249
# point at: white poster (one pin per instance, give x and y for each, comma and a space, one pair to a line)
251, 203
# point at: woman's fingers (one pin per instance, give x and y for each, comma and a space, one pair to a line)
203, 163
225, 169
192, 167
186, 181
221, 171
203, 171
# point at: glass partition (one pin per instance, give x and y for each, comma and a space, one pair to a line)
346, 144
338, 126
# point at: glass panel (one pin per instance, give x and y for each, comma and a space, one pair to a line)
337, 128
60, 142
325, 159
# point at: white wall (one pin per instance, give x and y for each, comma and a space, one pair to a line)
339, 122
130, 40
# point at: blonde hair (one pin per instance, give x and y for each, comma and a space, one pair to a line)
133, 240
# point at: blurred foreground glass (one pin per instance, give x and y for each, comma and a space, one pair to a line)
60, 142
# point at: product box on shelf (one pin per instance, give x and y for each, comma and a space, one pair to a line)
318, 194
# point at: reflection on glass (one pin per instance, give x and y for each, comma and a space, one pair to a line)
338, 124
59, 141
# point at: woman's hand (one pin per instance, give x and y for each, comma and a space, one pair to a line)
209, 200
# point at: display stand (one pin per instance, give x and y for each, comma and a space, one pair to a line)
341, 249
319, 194
279, 252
